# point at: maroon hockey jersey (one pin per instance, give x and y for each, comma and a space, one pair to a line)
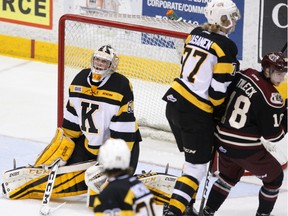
254, 109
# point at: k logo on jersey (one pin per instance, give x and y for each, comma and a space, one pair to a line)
87, 123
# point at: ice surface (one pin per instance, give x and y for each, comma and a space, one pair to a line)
28, 92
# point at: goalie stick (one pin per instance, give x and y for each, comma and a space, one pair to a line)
55, 169
45, 209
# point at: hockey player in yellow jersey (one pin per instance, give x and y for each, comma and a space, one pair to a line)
122, 194
209, 63
99, 107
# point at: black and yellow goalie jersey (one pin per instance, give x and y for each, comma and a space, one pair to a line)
125, 196
208, 66
100, 110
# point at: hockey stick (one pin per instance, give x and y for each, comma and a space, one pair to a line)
45, 209
207, 180
284, 48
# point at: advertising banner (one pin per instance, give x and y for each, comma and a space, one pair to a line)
37, 13
273, 26
192, 11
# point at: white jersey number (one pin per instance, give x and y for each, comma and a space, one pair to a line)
193, 53
238, 116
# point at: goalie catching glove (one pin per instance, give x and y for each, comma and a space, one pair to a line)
95, 177
61, 147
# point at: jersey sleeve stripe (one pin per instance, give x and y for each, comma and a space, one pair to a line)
126, 127
223, 68
218, 50
216, 102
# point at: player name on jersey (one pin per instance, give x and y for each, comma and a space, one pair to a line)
246, 87
201, 42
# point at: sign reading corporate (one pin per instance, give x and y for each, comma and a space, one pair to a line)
192, 11
37, 13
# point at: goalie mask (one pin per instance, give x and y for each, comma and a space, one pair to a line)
104, 61
274, 65
114, 154
218, 11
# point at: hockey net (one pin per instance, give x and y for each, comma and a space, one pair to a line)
149, 50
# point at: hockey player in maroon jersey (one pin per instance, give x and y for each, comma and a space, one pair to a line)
254, 109
122, 194
209, 63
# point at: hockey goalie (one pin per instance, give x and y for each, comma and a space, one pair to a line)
100, 106
71, 180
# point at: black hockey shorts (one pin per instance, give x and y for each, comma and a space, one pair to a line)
194, 133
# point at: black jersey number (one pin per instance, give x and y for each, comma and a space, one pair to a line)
194, 53
149, 207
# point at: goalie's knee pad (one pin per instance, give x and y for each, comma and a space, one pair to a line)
61, 147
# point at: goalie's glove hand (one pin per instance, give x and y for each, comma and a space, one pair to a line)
95, 177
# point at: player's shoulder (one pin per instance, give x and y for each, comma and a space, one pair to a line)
222, 43
81, 76
225, 43
120, 77
120, 184
263, 88
119, 82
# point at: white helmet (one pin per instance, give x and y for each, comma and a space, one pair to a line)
216, 9
114, 154
104, 61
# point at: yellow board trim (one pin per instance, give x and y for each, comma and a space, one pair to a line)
79, 58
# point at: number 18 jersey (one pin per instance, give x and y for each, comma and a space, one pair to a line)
254, 109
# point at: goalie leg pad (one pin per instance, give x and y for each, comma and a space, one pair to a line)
30, 182
60, 147
160, 184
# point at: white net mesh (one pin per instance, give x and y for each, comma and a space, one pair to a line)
151, 61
